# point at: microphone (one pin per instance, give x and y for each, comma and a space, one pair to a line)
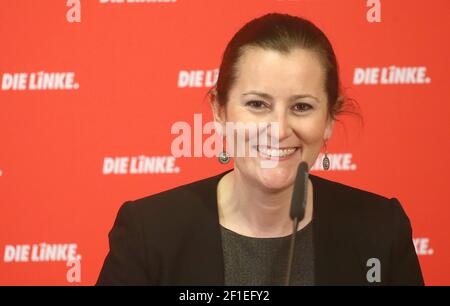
297, 212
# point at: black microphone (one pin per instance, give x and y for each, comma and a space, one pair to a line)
297, 213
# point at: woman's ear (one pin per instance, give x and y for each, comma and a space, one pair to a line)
217, 109
329, 128
330, 120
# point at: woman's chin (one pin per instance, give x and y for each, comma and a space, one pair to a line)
276, 178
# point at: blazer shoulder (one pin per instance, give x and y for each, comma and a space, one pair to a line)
350, 198
370, 216
189, 199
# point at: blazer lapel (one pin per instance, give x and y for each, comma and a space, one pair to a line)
335, 255
212, 261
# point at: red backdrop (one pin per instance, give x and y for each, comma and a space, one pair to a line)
76, 94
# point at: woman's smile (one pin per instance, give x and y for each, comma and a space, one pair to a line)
280, 154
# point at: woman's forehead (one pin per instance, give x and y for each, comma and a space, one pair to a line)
274, 72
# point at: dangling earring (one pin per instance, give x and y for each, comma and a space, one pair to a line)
326, 160
224, 157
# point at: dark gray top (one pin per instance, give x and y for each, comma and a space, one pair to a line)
263, 261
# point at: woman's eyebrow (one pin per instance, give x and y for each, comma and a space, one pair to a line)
269, 97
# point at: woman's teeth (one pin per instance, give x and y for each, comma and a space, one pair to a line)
277, 152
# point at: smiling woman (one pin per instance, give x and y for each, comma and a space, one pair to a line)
231, 229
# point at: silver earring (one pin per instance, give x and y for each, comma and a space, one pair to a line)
326, 160
224, 157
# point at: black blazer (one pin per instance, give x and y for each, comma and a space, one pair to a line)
173, 238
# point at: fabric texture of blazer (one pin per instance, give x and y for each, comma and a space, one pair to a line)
174, 238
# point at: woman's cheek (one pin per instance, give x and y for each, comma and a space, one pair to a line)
310, 130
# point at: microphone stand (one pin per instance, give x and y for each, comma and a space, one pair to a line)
297, 213
291, 251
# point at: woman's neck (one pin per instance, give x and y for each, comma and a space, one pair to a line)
250, 210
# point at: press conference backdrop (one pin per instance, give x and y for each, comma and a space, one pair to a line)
90, 90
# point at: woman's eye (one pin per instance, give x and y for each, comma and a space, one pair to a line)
302, 107
256, 104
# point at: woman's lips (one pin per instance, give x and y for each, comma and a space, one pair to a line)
282, 153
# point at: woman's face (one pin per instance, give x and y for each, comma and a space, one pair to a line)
288, 89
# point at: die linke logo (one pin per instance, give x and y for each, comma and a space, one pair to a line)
41, 252
338, 162
139, 165
422, 246
391, 75
39, 81
197, 78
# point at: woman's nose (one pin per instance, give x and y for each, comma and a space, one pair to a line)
284, 127
280, 117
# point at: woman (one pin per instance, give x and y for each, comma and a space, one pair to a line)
233, 228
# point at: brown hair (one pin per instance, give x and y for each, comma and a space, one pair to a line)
282, 32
